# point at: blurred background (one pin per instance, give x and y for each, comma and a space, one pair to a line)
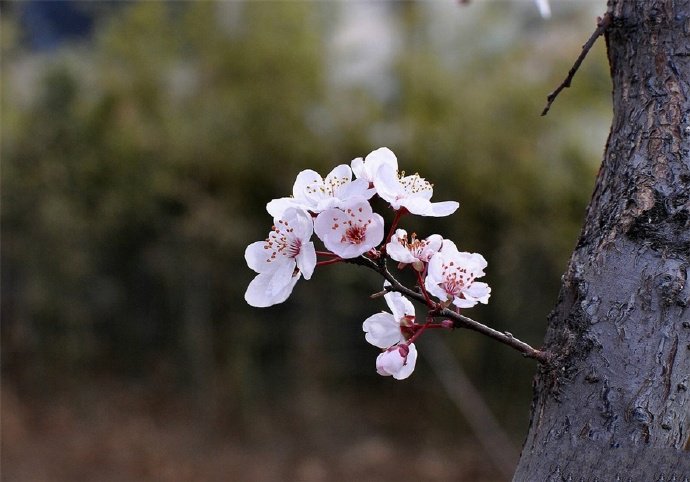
140, 144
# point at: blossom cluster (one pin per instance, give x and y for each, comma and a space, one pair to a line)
337, 209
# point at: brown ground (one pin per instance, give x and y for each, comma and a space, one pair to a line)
116, 433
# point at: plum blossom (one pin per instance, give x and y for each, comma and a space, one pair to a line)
366, 168
451, 277
281, 259
416, 252
410, 192
398, 361
316, 194
351, 231
385, 329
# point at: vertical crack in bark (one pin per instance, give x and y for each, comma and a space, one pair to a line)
667, 369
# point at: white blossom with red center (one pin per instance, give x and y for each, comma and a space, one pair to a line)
398, 361
366, 168
451, 277
281, 259
416, 252
386, 329
410, 192
351, 231
316, 194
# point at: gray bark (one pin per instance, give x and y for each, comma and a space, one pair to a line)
613, 405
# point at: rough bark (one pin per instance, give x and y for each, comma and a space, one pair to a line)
614, 404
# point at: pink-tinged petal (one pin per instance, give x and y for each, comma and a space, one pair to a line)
306, 260
382, 330
350, 233
398, 361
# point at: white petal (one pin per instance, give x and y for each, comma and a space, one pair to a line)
376, 159
382, 330
434, 243
306, 260
409, 364
463, 302
339, 175
358, 168
277, 207
399, 305
392, 362
443, 208
423, 207
388, 186
389, 362
359, 188
478, 291
265, 290
256, 257
399, 253
300, 221
308, 187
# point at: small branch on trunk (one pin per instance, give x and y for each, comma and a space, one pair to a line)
602, 24
459, 321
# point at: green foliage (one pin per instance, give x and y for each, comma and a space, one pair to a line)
139, 171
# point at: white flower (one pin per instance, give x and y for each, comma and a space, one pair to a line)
398, 361
416, 252
451, 277
384, 329
351, 231
367, 168
281, 259
410, 192
315, 194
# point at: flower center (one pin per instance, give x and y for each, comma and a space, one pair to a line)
455, 279
282, 242
415, 184
354, 234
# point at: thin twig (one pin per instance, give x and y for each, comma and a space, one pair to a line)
459, 321
602, 24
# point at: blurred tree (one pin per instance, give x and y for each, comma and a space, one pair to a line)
138, 170
613, 403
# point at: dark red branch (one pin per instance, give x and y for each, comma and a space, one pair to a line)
459, 321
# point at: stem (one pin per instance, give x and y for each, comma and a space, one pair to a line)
329, 261
398, 214
459, 321
420, 283
326, 253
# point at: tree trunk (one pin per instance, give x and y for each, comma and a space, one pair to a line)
614, 403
